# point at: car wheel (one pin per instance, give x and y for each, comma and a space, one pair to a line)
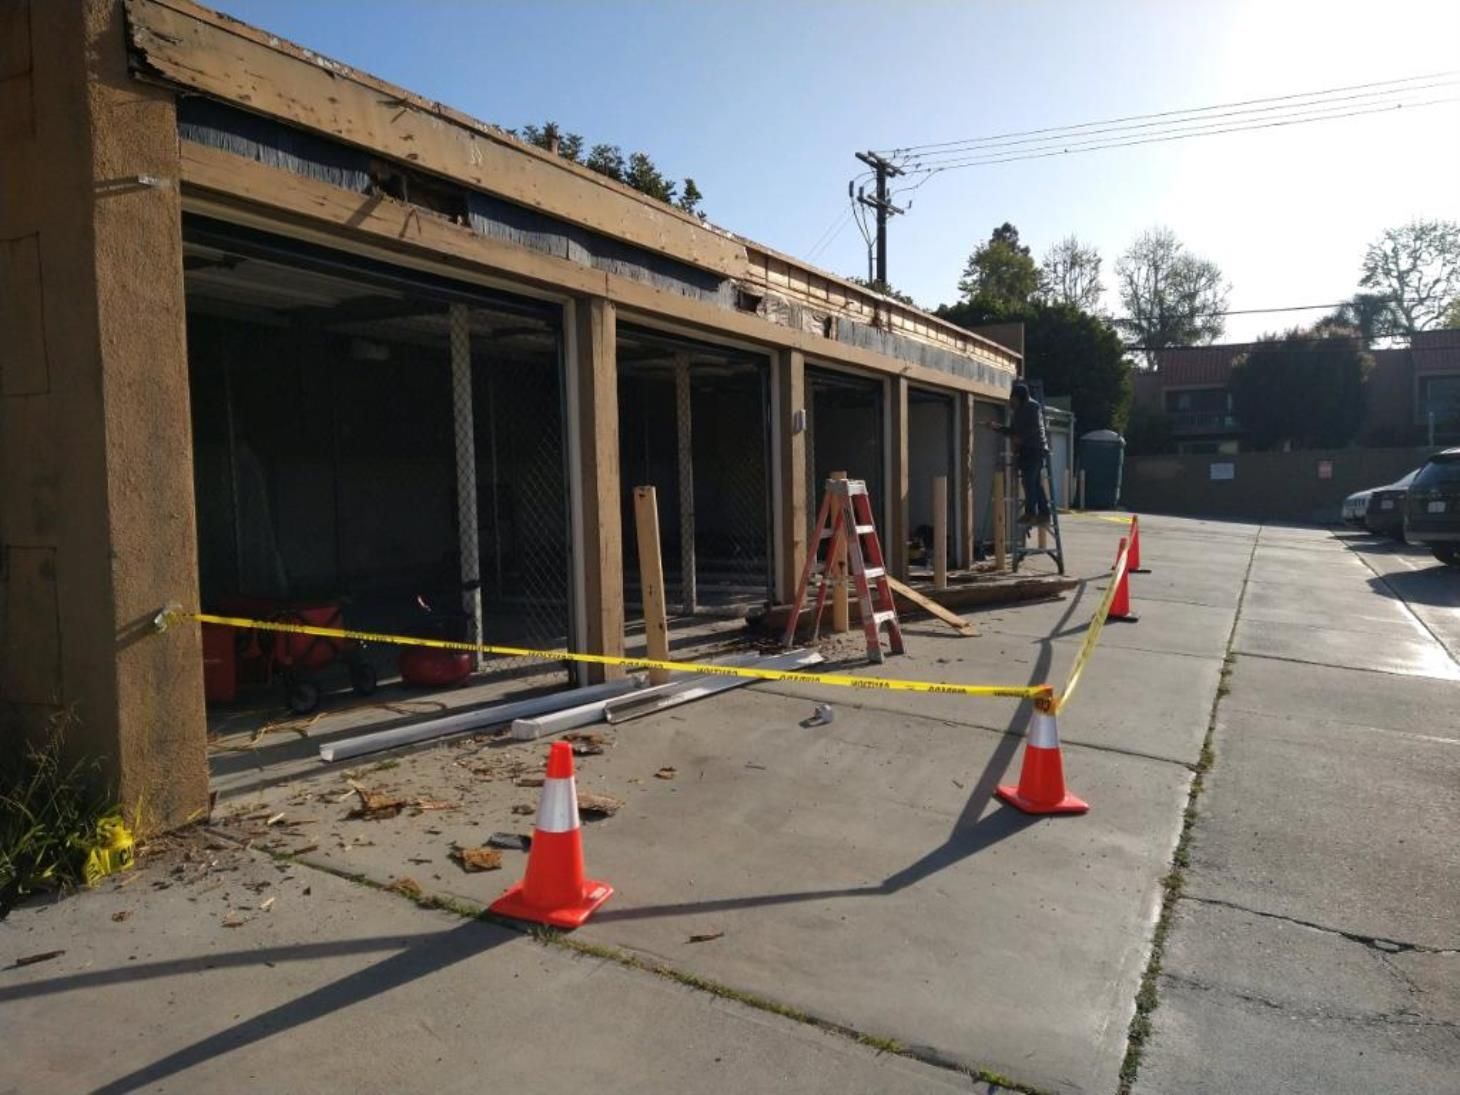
1446, 553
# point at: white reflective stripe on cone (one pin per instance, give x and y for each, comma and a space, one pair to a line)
558, 810
1043, 734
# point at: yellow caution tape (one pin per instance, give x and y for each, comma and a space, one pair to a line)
1101, 517
1092, 633
1038, 692
110, 852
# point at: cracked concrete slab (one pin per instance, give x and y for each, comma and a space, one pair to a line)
1253, 1004
1331, 823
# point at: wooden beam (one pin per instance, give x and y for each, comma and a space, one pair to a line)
791, 380
967, 497
940, 532
190, 46
231, 187
1001, 520
597, 376
651, 580
933, 608
897, 532
684, 438
836, 563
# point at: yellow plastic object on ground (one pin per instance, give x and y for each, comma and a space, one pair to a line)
113, 850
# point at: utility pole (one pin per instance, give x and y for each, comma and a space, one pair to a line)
884, 208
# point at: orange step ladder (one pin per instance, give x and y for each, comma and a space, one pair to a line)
844, 525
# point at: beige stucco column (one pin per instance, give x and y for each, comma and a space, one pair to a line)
596, 367
96, 470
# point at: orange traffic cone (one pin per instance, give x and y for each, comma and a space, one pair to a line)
554, 890
1041, 787
1134, 564
1120, 606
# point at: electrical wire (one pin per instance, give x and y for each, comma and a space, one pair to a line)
928, 172
838, 222
1315, 110
905, 149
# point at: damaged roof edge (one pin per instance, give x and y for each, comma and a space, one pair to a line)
183, 44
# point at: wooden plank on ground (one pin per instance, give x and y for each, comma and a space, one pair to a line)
932, 607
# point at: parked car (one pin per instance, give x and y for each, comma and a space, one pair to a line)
1432, 507
1356, 508
1385, 515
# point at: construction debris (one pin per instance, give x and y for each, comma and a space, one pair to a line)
468, 722
667, 772
821, 715
375, 804
706, 937
32, 959
120, 915
514, 842
407, 887
477, 859
523, 809
932, 607
694, 688
597, 805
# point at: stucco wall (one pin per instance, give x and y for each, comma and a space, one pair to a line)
96, 506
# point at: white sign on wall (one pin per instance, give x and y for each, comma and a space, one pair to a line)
1223, 470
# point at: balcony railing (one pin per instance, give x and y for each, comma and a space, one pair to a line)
1190, 422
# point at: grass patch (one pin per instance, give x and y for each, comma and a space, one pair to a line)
52, 812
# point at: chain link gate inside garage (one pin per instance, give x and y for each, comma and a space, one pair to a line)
694, 423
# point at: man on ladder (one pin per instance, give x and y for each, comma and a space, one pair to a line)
1031, 448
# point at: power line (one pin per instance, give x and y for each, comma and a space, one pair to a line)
903, 150
928, 172
843, 219
817, 246
1182, 125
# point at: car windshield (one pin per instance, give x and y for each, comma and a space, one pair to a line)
1403, 484
1441, 472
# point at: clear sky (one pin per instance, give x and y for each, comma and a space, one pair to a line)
764, 104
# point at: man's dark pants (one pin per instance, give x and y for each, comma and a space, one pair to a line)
1030, 466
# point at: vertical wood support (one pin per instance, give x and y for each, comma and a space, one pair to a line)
603, 565
897, 534
466, 470
684, 423
791, 437
1001, 519
836, 565
1082, 488
940, 532
651, 579
967, 498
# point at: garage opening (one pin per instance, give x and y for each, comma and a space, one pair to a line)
931, 452
372, 447
694, 424
844, 432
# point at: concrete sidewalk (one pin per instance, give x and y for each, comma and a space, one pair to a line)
1316, 945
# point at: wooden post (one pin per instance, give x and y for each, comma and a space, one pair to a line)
1001, 520
836, 566
651, 579
965, 480
1082, 488
1049, 495
466, 472
895, 542
940, 532
791, 380
683, 418
1068, 496
596, 367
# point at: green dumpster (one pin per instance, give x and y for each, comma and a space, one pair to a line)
1102, 455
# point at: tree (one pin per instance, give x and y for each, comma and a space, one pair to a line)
1368, 316
1452, 316
1417, 267
1171, 297
1072, 351
550, 135
644, 177
1300, 391
1000, 277
690, 197
607, 159
1070, 274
